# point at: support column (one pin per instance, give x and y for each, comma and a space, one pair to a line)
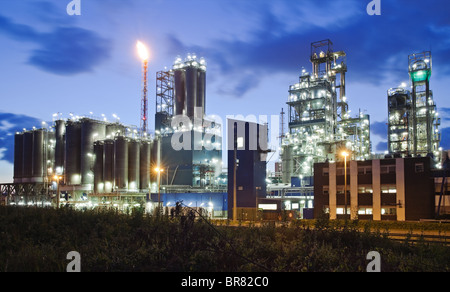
400, 177
332, 191
353, 190
376, 187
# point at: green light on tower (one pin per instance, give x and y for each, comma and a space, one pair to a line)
421, 75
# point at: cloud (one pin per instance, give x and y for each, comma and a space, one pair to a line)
69, 51
377, 47
12, 123
382, 146
66, 50
379, 129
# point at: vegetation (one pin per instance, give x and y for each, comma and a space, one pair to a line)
38, 240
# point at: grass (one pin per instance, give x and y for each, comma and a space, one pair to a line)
38, 240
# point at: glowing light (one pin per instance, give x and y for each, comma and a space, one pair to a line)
142, 50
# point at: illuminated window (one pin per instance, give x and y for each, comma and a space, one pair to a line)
388, 211
365, 211
340, 211
240, 142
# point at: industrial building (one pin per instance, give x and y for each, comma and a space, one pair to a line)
320, 127
196, 160
84, 156
412, 116
320, 123
93, 162
398, 189
247, 159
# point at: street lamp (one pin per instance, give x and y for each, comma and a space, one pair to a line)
158, 171
57, 178
345, 155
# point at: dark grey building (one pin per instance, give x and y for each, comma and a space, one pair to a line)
247, 153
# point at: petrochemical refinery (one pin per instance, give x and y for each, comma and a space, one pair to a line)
92, 162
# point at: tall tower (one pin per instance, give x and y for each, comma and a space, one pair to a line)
423, 109
180, 112
413, 119
143, 53
320, 125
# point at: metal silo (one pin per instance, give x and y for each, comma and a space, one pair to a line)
72, 164
288, 163
50, 152
121, 163
133, 165
18, 158
201, 92
113, 130
38, 156
180, 91
145, 165
27, 156
91, 131
99, 185
108, 165
191, 90
60, 142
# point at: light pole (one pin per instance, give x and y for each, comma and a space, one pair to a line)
345, 154
158, 171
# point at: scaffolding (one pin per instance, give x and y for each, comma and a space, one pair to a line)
164, 99
320, 125
413, 120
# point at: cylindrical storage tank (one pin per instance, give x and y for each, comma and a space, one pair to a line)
201, 93
18, 158
60, 142
50, 145
108, 165
180, 92
133, 165
99, 185
113, 130
145, 165
72, 163
287, 163
191, 90
90, 132
121, 163
27, 156
38, 156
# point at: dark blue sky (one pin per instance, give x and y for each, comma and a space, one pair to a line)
52, 62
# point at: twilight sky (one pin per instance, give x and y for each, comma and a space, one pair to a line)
51, 62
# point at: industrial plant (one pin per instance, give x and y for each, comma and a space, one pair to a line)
320, 122
412, 115
326, 152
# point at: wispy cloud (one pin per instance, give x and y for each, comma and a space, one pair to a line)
66, 50
377, 48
